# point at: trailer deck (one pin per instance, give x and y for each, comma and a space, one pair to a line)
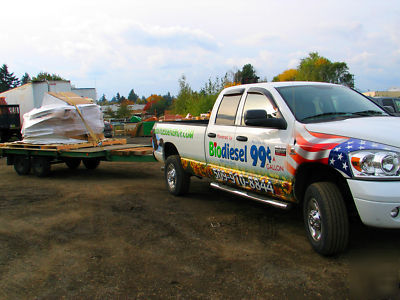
25, 156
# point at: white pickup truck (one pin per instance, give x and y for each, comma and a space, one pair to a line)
320, 146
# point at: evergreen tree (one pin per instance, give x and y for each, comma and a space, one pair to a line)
132, 96
7, 79
102, 100
118, 98
25, 79
168, 98
248, 74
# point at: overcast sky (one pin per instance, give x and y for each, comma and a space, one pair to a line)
147, 45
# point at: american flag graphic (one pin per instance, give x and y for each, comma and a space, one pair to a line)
327, 149
339, 156
312, 147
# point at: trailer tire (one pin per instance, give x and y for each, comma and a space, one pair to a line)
72, 163
91, 163
41, 166
325, 218
22, 165
176, 179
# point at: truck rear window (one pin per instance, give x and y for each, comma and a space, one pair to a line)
227, 110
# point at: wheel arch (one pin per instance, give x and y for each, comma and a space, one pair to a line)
310, 173
169, 149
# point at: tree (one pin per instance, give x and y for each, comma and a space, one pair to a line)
132, 96
102, 100
193, 102
246, 75
168, 98
249, 74
123, 112
288, 75
156, 105
7, 79
25, 78
109, 113
318, 68
183, 100
118, 98
44, 76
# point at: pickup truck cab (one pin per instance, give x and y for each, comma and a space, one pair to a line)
319, 146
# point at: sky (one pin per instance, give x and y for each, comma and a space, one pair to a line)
147, 46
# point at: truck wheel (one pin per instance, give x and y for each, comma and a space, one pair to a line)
72, 163
91, 163
41, 166
325, 218
22, 165
176, 179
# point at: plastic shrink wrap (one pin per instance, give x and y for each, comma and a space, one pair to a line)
57, 122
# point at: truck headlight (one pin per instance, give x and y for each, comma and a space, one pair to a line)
375, 163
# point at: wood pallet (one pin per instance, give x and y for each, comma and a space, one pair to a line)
133, 151
21, 145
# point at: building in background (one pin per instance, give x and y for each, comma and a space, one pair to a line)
30, 95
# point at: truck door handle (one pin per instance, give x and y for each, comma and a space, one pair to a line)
211, 135
241, 138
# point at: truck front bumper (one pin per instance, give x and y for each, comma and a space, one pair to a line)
375, 201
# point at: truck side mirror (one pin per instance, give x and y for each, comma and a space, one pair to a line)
259, 117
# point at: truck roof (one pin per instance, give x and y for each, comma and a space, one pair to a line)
279, 84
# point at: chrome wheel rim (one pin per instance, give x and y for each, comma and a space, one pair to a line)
314, 220
171, 176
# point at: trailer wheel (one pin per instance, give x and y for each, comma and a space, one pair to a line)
91, 163
22, 165
325, 218
72, 163
41, 166
176, 179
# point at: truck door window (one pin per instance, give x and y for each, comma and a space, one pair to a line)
258, 101
388, 102
397, 102
226, 114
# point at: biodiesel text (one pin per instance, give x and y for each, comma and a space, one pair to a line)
257, 153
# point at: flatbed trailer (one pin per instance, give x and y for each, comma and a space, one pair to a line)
39, 158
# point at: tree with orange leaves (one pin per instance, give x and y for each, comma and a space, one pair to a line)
288, 75
318, 68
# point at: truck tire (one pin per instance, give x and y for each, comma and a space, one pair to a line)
41, 166
176, 179
325, 218
91, 163
72, 163
22, 165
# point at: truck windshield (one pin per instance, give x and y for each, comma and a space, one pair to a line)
319, 103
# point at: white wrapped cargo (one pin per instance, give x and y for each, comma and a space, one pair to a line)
64, 118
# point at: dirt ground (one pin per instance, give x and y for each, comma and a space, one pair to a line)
115, 232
